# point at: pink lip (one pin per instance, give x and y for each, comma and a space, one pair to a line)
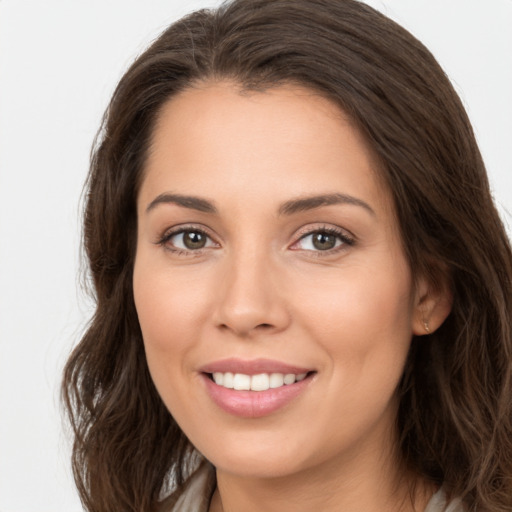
252, 367
253, 404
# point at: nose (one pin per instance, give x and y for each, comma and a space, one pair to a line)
251, 297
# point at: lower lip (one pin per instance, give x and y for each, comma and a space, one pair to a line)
254, 404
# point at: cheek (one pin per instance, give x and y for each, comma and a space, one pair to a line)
363, 323
170, 310
168, 306
362, 315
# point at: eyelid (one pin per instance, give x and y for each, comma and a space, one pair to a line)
347, 238
168, 233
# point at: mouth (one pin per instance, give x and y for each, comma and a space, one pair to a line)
257, 388
257, 382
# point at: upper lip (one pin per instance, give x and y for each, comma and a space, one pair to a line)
252, 367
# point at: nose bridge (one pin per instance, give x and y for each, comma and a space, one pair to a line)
250, 297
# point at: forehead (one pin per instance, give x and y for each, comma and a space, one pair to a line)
287, 139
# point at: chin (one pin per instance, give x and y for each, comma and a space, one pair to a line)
259, 467
257, 459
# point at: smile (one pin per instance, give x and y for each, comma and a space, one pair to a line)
255, 388
259, 382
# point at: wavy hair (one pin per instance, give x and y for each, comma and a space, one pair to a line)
455, 413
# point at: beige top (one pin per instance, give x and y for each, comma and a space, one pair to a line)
199, 489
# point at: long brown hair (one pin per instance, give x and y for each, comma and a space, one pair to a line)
456, 393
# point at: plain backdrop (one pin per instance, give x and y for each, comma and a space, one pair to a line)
59, 63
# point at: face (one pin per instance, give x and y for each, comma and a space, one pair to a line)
274, 297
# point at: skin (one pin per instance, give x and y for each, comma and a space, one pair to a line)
261, 289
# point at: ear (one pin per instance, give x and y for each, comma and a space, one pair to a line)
433, 303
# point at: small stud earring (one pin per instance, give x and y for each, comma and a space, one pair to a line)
427, 328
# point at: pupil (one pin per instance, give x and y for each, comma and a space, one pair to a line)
324, 241
194, 240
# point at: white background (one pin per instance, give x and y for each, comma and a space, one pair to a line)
59, 63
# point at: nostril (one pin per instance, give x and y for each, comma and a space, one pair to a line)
264, 326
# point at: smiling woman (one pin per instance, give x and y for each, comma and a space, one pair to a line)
298, 305
252, 288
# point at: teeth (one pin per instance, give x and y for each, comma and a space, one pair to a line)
218, 378
241, 382
260, 382
289, 378
228, 380
276, 380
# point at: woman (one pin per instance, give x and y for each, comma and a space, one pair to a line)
303, 286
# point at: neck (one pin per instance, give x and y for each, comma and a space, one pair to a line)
351, 485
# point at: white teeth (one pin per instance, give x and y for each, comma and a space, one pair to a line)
218, 378
276, 380
241, 382
228, 380
289, 378
259, 382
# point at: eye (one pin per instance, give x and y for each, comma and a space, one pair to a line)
190, 240
323, 240
187, 239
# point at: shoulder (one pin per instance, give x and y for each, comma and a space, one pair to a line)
195, 495
439, 503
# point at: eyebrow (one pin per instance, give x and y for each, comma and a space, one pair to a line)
309, 203
288, 208
192, 202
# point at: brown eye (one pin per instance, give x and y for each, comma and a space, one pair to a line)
323, 241
187, 240
194, 239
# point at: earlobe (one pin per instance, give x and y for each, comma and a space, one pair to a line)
432, 306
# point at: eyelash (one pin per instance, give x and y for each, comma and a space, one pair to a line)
346, 240
168, 235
